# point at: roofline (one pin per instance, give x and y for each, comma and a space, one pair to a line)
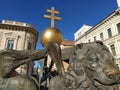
116, 12
25, 29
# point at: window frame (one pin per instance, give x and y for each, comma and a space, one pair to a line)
109, 33
29, 46
118, 27
113, 50
10, 44
101, 36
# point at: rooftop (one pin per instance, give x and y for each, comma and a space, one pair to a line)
67, 42
8, 22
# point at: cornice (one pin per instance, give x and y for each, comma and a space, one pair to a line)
20, 28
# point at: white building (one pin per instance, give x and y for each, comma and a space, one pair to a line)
107, 30
81, 31
17, 36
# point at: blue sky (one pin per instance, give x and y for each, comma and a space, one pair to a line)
74, 13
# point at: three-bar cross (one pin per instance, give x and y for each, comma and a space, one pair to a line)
52, 17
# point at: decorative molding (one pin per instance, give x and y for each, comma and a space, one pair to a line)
11, 35
118, 40
19, 28
111, 43
1, 36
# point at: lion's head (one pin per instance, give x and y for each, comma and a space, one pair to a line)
91, 67
98, 63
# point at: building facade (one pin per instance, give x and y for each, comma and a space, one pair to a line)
107, 30
17, 36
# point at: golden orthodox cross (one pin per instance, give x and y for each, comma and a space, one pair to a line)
52, 17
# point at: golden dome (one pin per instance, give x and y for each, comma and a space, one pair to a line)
50, 34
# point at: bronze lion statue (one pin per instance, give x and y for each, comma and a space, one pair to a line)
9, 61
91, 67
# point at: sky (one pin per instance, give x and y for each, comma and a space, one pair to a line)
74, 13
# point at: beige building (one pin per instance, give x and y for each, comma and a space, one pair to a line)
67, 44
107, 30
17, 36
64, 44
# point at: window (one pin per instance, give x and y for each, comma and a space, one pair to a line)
113, 49
101, 36
29, 47
118, 27
109, 32
89, 40
94, 38
79, 34
10, 44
